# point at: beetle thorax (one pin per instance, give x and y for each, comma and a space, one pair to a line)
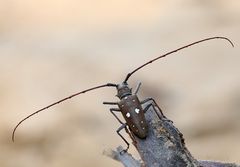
123, 90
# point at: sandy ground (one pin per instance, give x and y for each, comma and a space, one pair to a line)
51, 49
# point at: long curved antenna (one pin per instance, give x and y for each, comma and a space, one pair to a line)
206, 39
53, 104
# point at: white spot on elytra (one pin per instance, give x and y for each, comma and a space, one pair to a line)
133, 126
137, 110
125, 97
141, 122
128, 115
143, 128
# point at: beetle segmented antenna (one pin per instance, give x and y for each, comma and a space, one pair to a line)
176, 50
114, 85
53, 104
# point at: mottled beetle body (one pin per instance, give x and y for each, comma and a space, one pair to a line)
132, 110
133, 113
129, 105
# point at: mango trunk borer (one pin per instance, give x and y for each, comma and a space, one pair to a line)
129, 105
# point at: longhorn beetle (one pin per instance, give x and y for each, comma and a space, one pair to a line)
129, 105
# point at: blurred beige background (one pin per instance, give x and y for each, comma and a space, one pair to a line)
51, 49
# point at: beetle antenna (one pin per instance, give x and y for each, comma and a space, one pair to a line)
53, 104
164, 55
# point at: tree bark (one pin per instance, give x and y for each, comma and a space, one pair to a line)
163, 147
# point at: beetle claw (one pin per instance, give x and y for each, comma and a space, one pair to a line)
123, 151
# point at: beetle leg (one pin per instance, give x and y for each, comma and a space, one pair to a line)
117, 110
153, 102
110, 103
138, 87
123, 126
147, 107
114, 109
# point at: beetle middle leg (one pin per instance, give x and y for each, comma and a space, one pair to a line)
123, 126
126, 128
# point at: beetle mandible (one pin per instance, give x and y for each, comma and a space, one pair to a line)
129, 105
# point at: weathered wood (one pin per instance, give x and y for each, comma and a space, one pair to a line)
163, 147
217, 164
125, 158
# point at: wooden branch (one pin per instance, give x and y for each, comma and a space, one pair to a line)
125, 158
163, 147
217, 164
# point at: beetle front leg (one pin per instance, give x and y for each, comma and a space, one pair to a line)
117, 110
110, 103
114, 109
137, 88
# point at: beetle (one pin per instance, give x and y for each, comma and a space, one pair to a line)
129, 105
